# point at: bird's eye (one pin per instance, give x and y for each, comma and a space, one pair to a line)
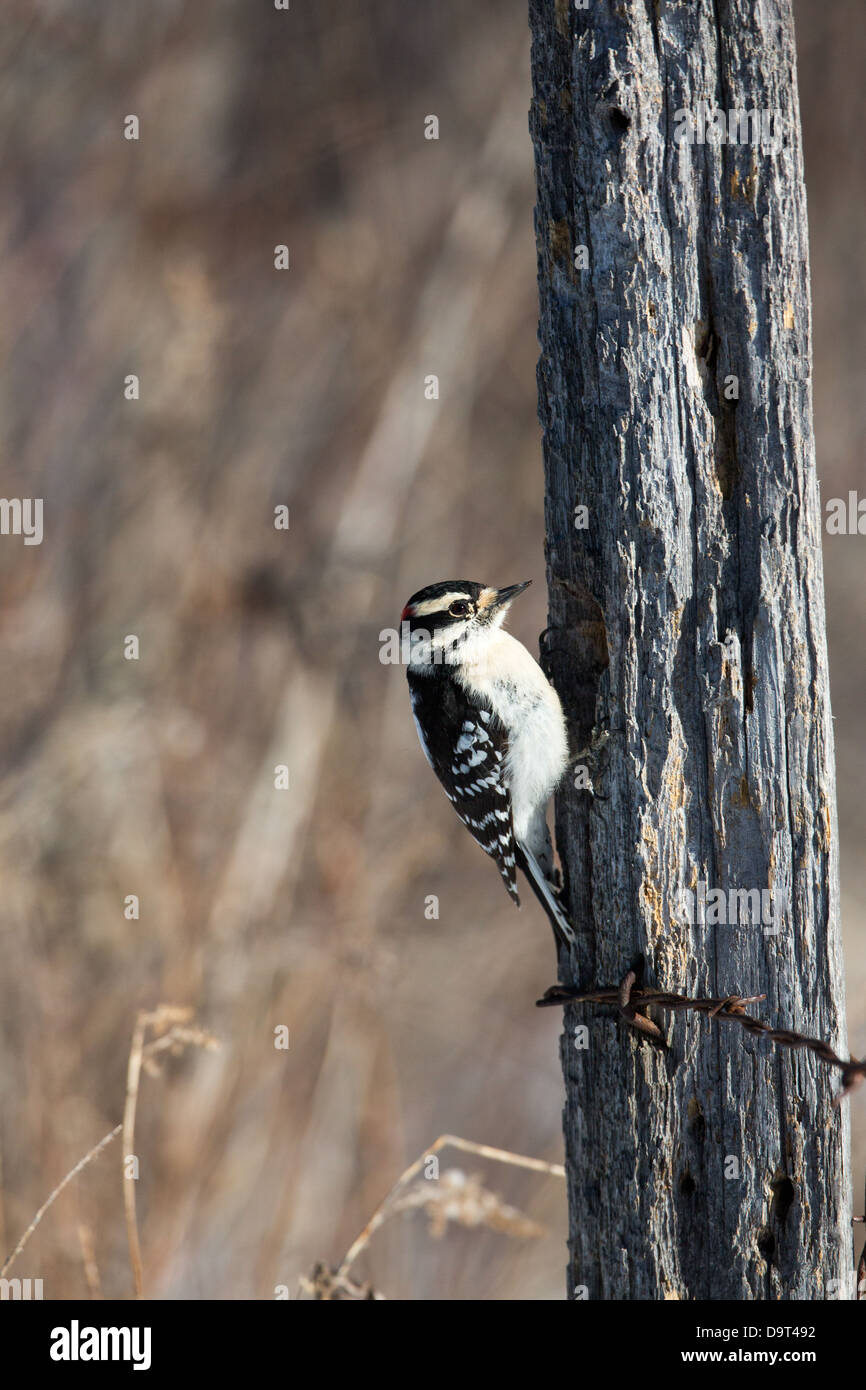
459, 608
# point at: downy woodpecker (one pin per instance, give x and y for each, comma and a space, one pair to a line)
491, 726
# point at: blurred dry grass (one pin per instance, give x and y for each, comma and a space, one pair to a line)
259, 647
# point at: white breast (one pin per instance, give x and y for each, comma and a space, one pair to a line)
504, 673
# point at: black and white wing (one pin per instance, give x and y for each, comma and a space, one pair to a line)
467, 747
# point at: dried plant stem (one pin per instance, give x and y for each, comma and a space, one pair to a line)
383, 1211
174, 1033
73, 1172
133, 1076
88, 1260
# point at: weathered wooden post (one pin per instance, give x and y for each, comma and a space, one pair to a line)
687, 614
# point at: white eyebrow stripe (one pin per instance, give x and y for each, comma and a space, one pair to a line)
435, 605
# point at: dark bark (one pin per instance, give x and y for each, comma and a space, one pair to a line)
687, 626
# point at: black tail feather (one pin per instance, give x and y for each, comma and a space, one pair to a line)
544, 892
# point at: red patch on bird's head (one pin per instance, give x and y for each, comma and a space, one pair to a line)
407, 612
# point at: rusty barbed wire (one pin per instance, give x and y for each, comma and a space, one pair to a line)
628, 999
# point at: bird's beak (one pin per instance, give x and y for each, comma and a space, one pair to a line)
504, 596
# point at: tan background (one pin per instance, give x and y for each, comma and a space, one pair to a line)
303, 908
